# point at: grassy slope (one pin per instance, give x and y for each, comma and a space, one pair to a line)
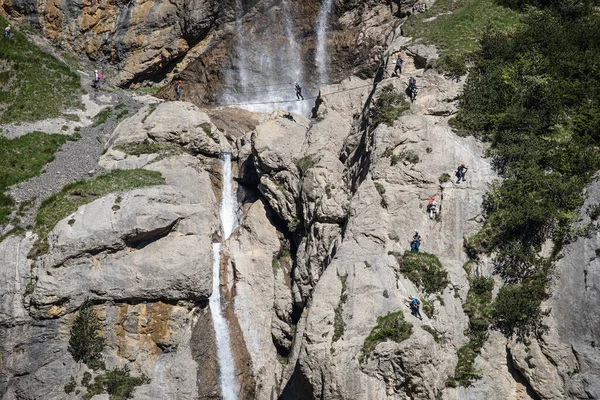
21, 159
459, 24
33, 85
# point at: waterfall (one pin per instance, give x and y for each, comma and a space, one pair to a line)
266, 63
227, 213
321, 58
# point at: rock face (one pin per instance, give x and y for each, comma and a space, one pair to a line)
142, 38
327, 208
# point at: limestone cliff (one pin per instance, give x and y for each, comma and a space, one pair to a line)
327, 208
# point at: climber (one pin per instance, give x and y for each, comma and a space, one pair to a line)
460, 172
432, 207
298, 91
415, 243
399, 62
178, 90
7, 31
412, 88
414, 307
97, 77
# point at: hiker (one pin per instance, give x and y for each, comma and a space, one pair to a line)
298, 91
414, 307
399, 62
460, 172
7, 31
415, 243
412, 88
178, 90
432, 207
97, 77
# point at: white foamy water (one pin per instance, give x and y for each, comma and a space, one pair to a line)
263, 73
227, 213
321, 56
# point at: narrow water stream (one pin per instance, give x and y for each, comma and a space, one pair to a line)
227, 213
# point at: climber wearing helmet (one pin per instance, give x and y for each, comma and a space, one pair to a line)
432, 207
399, 62
460, 172
298, 91
414, 307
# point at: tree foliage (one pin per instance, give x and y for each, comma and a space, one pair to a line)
535, 95
85, 343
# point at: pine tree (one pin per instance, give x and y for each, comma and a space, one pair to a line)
85, 343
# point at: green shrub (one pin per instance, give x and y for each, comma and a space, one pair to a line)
118, 383
70, 387
444, 178
517, 308
85, 343
409, 156
425, 271
392, 326
479, 310
428, 308
388, 107
338, 322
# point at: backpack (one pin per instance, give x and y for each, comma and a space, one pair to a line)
298, 87
99, 75
412, 81
415, 302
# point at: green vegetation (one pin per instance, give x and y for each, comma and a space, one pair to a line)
118, 383
444, 178
338, 322
436, 335
207, 129
282, 258
389, 327
33, 84
73, 195
85, 343
457, 27
425, 271
428, 308
21, 159
406, 155
151, 109
305, 163
70, 387
102, 116
478, 308
388, 107
533, 94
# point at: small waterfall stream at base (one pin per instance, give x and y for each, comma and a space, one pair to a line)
227, 213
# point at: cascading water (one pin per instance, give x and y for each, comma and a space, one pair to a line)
227, 213
265, 64
321, 58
